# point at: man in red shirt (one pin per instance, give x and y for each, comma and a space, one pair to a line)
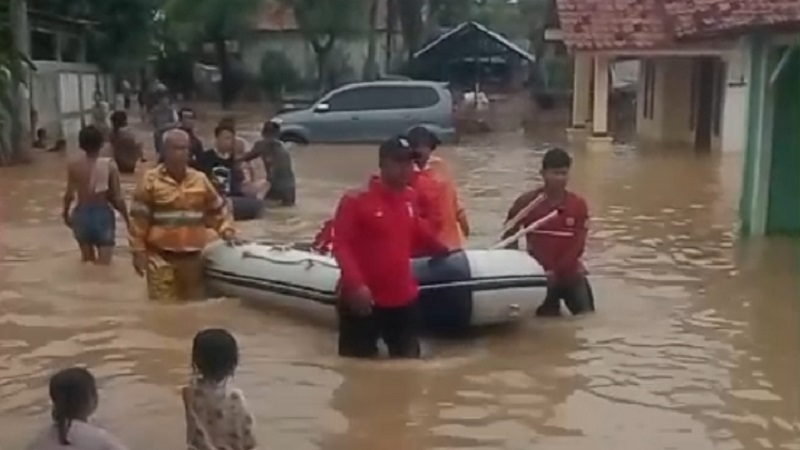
377, 229
558, 244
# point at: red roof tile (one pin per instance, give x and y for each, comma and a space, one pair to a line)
650, 24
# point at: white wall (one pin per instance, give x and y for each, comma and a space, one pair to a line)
734, 113
302, 55
672, 102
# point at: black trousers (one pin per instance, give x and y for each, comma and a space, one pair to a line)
397, 327
577, 296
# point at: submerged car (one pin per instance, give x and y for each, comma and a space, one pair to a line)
372, 112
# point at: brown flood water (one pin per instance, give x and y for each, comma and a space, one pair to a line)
694, 346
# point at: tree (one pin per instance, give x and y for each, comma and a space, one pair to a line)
122, 38
14, 125
370, 70
323, 23
217, 22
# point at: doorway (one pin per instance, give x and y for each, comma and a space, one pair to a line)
705, 81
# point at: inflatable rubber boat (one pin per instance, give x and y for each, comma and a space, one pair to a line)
465, 289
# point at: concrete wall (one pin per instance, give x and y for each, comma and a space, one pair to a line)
300, 53
734, 116
671, 96
62, 95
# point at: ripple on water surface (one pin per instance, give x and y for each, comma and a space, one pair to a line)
694, 345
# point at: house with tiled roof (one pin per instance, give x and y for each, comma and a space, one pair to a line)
730, 64
276, 30
689, 91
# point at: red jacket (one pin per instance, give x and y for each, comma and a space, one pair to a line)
558, 244
376, 232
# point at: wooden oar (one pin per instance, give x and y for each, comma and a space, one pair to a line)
514, 221
532, 227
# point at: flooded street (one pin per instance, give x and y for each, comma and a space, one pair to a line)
695, 344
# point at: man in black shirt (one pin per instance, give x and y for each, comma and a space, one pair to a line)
219, 165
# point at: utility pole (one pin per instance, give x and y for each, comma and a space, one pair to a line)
21, 38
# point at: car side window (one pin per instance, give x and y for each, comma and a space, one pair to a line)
350, 100
384, 98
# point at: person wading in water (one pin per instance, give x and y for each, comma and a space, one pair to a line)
278, 164
172, 207
126, 150
96, 182
377, 229
558, 244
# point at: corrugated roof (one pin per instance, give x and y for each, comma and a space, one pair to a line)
502, 40
654, 24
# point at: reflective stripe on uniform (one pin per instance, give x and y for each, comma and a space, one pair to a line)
178, 218
139, 209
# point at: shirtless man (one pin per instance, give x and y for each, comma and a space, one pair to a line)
96, 182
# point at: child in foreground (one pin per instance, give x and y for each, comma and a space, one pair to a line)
217, 417
74, 396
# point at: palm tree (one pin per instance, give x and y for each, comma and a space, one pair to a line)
12, 78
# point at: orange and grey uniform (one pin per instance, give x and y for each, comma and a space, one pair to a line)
169, 222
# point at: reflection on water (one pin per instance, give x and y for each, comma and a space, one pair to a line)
694, 346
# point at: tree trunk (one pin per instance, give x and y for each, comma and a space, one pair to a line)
371, 69
391, 23
322, 50
19, 98
411, 24
225, 88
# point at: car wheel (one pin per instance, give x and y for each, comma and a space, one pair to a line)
294, 138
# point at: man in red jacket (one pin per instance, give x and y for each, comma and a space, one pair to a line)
377, 230
558, 244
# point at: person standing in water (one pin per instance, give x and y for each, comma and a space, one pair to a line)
126, 149
217, 416
377, 230
278, 164
162, 118
95, 179
172, 208
73, 393
433, 181
559, 243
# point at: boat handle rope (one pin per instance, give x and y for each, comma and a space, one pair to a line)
308, 261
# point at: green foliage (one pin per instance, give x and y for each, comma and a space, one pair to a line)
278, 75
122, 38
323, 22
211, 20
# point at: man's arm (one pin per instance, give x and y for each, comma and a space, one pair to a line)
69, 196
115, 191
216, 216
345, 224
254, 153
568, 262
141, 216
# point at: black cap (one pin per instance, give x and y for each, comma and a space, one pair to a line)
397, 148
420, 135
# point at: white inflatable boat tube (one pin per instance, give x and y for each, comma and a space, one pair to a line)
470, 288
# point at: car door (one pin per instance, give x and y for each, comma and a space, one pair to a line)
335, 117
397, 108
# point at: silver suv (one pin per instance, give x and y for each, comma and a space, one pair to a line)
372, 112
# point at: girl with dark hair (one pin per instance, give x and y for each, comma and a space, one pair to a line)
73, 393
217, 417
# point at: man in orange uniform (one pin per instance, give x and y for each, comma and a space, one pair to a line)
437, 191
172, 207
376, 230
559, 243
